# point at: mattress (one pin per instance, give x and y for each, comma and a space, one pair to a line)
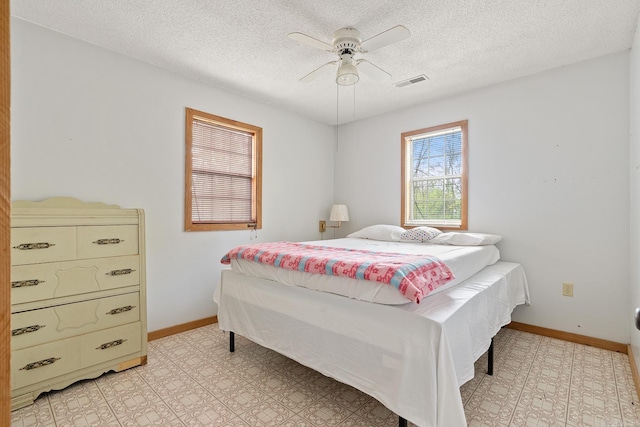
463, 261
411, 357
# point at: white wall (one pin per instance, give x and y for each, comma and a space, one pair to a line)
634, 253
548, 170
99, 126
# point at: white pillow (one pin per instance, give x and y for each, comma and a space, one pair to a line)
387, 233
466, 239
420, 234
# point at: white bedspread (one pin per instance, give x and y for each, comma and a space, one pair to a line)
463, 261
410, 357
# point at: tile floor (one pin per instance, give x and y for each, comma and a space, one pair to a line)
191, 379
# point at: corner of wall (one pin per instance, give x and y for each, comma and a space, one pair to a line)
634, 186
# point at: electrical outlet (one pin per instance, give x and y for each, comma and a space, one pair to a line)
567, 289
322, 226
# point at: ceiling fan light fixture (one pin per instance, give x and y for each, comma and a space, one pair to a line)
347, 74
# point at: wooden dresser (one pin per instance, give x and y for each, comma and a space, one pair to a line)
78, 302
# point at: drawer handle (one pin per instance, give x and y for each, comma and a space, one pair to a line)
39, 364
108, 241
110, 344
23, 283
26, 330
29, 246
120, 272
121, 309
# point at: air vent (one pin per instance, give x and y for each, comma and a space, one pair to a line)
412, 80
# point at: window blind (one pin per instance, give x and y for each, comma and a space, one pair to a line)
436, 177
222, 174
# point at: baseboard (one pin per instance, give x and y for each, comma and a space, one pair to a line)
161, 333
571, 337
538, 330
634, 370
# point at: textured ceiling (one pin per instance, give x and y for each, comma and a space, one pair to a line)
241, 45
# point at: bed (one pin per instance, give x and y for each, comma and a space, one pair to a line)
412, 357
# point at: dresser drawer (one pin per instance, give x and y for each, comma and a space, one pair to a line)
34, 364
110, 344
53, 280
107, 241
42, 244
43, 362
49, 324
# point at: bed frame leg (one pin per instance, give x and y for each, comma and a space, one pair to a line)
232, 341
402, 422
490, 367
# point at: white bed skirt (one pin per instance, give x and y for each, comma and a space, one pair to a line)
412, 358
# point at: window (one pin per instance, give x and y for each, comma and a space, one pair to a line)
222, 174
434, 177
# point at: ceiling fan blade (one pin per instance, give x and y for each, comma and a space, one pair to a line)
392, 35
372, 70
315, 73
310, 41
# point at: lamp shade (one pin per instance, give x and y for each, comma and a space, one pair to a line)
339, 213
347, 74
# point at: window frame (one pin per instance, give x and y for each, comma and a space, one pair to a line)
405, 208
256, 182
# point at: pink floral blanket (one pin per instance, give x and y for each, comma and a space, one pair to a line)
415, 276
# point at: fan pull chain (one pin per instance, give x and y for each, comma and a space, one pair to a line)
337, 115
354, 103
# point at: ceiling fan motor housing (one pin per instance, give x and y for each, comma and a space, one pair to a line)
346, 40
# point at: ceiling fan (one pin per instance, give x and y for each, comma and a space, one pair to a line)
347, 42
